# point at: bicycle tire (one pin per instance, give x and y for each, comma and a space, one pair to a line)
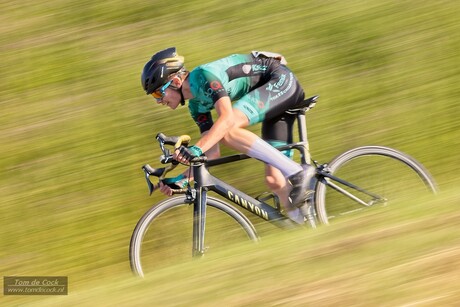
392, 166
155, 214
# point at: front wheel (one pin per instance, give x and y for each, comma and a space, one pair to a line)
382, 175
164, 234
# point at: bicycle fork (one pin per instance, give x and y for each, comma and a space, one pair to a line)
199, 218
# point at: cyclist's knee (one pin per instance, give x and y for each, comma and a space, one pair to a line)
275, 183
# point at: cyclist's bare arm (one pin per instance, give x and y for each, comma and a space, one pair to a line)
221, 126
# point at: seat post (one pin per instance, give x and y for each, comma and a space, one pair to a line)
303, 137
299, 110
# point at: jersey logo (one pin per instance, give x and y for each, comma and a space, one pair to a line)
276, 87
246, 68
215, 85
202, 118
259, 67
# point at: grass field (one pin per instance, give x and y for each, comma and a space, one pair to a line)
76, 127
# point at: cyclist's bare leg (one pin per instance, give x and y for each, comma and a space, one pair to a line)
249, 143
278, 185
241, 140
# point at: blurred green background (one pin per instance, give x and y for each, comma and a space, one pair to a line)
76, 126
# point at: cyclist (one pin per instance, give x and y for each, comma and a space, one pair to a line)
262, 89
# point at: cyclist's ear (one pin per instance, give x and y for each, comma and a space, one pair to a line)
177, 81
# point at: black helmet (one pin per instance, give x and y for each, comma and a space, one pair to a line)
159, 68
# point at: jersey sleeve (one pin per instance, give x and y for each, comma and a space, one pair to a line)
202, 118
213, 86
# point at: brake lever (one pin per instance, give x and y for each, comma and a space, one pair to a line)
166, 158
150, 185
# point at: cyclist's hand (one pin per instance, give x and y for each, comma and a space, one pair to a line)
178, 182
168, 184
185, 154
165, 189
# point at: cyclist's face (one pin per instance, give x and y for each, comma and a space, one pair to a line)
171, 98
168, 95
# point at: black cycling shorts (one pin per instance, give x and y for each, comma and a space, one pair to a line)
273, 97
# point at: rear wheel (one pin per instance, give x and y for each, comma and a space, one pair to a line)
164, 234
390, 175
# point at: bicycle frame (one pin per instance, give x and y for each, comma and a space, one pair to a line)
205, 182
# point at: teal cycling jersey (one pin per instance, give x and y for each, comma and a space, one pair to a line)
233, 76
258, 84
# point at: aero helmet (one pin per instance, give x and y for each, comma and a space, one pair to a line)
159, 68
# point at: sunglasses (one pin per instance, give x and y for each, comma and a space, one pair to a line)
159, 94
